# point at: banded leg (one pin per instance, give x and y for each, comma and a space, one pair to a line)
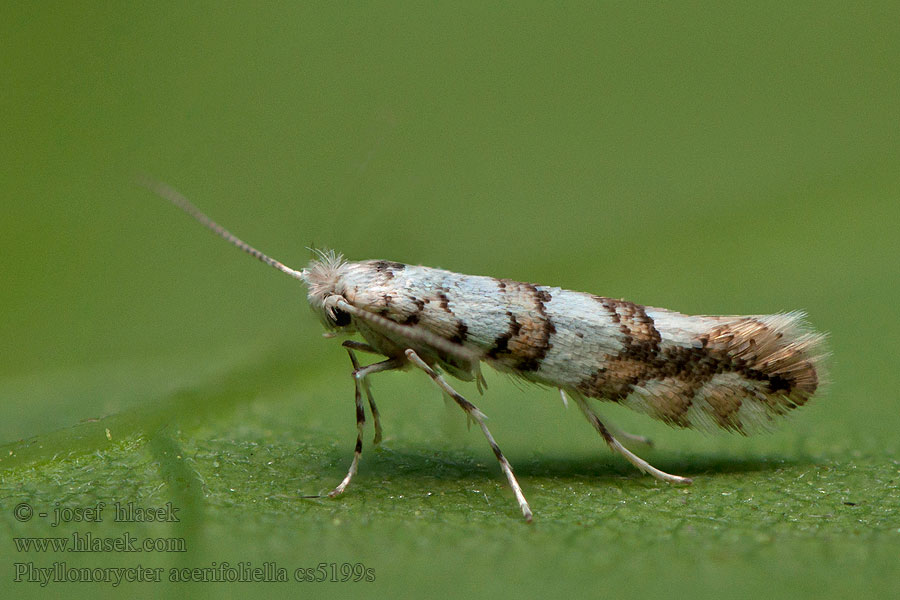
352, 345
359, 376
615, 446
473, 413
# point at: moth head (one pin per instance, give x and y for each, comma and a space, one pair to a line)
325, 278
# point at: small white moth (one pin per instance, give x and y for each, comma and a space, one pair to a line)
736, 373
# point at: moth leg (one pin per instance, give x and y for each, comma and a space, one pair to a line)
359, 375
637, 439
480, 382
475, 414
351, 345
631, 437
361, 346
615, 446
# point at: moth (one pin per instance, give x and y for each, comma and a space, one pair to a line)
736, 373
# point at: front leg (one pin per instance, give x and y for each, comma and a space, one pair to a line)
359, 376
473, 413
352, 345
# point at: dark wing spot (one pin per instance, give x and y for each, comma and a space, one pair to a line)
461, 334
413, 317
445, 301
501, 344
777, 384
388, 267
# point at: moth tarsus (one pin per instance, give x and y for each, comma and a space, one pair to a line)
736, 373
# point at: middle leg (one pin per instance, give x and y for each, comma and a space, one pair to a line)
475, 414
615, 431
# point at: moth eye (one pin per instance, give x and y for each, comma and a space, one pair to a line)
341, 318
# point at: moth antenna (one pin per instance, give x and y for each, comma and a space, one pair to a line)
175, 197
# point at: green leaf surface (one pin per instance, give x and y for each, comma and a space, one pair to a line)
704, 158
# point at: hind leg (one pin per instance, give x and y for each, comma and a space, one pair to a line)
618, 448
619, 433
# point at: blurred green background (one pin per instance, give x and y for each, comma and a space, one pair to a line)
704, 157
